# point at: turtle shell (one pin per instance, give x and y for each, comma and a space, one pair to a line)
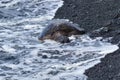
64, 27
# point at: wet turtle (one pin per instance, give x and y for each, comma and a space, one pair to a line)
60, 30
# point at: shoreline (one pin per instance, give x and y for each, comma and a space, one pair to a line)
101, 18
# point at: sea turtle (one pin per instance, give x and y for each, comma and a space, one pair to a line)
60, 30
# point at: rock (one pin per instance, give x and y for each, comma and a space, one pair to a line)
44, 56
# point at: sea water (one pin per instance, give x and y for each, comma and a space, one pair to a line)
24, 57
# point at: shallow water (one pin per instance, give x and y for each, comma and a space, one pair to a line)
23, 57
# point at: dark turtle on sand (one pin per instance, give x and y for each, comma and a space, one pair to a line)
60, 30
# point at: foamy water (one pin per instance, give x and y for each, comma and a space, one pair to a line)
23, 57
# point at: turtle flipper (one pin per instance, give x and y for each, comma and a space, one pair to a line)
62, 39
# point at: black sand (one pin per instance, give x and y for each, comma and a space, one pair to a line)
93, 15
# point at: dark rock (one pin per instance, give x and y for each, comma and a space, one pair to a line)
44, 56
25, 72
54, 72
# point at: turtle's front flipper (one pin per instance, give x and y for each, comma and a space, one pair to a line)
62, 39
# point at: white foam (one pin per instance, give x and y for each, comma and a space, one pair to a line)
68, 70
7, 48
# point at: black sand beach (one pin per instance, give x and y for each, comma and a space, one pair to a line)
99, 18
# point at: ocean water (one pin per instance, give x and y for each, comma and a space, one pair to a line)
24, 57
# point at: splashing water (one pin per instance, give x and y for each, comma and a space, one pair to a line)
23, 57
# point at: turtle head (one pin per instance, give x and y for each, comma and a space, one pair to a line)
42, 37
